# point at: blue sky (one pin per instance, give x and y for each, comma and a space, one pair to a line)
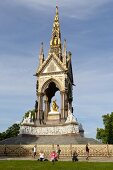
87, 26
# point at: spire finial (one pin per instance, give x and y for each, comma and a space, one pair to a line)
56, 10
65, 42
64, 46
64, 53
41, 49
55, 42
56, 16
41, 54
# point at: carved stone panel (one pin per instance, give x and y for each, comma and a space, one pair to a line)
50, 130
51, 67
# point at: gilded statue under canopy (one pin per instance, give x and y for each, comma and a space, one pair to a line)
54, 106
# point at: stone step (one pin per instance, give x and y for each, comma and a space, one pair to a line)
60, 139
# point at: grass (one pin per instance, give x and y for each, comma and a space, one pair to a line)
35, 165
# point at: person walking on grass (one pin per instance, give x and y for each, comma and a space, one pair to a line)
87, 152
58, 151
34, 151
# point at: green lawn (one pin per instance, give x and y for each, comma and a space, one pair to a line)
35, 165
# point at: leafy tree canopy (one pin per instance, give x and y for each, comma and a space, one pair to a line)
106, 134
10, 132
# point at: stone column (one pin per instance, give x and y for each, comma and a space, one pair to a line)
62, 105
46, 109
40, 105
66, 106
70, 104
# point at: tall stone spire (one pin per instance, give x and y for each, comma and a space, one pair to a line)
55, 42
41, 55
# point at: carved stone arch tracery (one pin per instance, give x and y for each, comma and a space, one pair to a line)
49, 89
46, 84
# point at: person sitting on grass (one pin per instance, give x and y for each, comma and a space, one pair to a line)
53, 156
41, 156
74, 156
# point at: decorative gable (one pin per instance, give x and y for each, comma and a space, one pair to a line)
51, 67
51, 64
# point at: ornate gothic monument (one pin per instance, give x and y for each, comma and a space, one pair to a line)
53, 121
53, 74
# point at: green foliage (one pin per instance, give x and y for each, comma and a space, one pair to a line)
106, 134
2, 135
101, 135
10, 132
32, 114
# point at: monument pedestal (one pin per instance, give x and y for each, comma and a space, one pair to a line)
54, 126
61, 129
53, 117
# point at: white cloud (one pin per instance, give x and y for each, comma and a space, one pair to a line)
72, 8
17, 75
93, 94
68, 3
17, 122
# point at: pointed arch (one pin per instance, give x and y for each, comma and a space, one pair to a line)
46, 84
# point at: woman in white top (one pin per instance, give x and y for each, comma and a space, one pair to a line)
41, 156
34, 151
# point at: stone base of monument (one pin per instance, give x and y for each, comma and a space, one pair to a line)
60, 129
53, 126
53, 118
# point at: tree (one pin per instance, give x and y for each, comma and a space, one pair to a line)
10, 132
106, 134
32, 114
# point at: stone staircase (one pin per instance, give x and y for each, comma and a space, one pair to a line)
45, 140
20, 139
